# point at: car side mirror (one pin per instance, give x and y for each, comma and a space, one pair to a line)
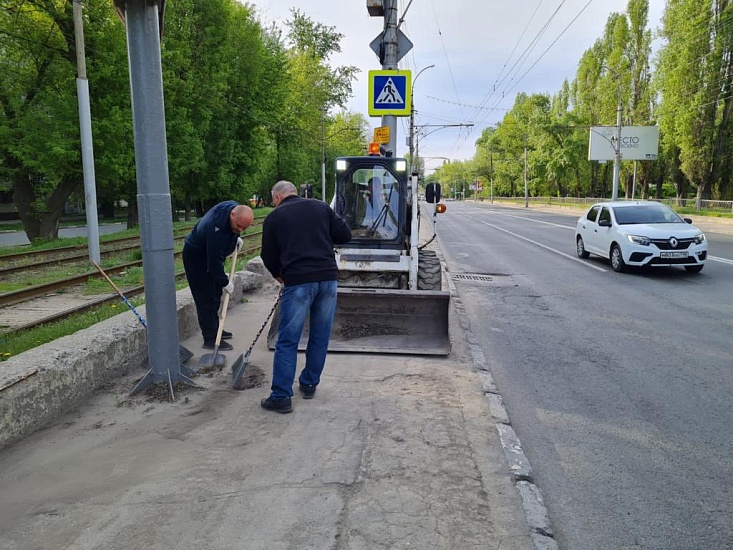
604, 223
688, 220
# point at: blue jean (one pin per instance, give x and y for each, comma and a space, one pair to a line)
318, 301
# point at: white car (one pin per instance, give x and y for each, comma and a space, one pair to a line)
640, 233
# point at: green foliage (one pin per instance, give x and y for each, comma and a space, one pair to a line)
242, 106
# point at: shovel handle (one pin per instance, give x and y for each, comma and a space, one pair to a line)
124, 298
225, 303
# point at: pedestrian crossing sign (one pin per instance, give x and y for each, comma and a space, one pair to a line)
390, 93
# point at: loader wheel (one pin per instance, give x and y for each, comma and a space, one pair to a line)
428, 270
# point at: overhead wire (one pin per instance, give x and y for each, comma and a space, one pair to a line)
518, 80
499, 80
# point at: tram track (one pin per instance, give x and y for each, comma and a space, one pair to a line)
40, 298
39, 259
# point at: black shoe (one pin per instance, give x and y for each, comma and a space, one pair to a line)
226, 335
223, 346
282, 405
308, 390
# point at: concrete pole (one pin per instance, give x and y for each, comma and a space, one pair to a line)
617, 148
390, 62
153, 199
85, 131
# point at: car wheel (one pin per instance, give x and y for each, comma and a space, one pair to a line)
694, 268
580, 248
617, 259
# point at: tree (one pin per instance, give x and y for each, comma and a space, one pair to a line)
39, 126
694, 79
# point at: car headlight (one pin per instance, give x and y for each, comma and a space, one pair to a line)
636, 239
699, 238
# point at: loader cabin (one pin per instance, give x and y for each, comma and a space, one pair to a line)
371, 195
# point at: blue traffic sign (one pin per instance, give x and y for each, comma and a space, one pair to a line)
390, 93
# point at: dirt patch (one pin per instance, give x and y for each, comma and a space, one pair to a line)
252, 378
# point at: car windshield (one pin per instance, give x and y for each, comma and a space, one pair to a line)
646, 213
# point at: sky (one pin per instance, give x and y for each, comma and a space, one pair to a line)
485, 52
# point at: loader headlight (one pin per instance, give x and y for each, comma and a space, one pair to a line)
340, 165
400, 165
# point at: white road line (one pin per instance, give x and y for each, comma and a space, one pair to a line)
534, 220
568, 256
714, 258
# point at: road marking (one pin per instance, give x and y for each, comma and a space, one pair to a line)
534, 220
568, 256
714, 258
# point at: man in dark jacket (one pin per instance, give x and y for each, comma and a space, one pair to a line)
207, 246
297, 249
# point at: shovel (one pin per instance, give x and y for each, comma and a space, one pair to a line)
184, 354
241, 363
211, 360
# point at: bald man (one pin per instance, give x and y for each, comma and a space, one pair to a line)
298, 237
213, 239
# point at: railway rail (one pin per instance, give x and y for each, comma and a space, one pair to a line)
47, 289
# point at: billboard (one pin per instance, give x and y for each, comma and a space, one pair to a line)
637, 143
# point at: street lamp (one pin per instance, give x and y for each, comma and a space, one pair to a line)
412, 117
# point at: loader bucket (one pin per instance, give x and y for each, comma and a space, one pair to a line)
413, 322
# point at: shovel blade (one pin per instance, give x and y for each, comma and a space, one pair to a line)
213, 360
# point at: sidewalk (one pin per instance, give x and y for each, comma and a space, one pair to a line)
394, 452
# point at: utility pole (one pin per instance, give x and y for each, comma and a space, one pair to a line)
491, 177
390, 62
526, 189
323, 154
144, 25
85, 131
617, 145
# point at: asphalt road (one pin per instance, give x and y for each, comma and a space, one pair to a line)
618, 385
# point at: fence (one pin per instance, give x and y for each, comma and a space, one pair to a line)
705, 205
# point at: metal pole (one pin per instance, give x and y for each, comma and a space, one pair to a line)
491, 177
154, 200
526, 190
617, 149
633, 185
412, 116
85, 130
390, 62
323, 155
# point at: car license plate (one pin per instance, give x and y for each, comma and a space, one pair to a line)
672, 255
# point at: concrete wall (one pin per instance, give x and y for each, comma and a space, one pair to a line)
39, 384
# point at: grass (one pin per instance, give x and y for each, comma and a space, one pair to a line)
16, 343
686, 210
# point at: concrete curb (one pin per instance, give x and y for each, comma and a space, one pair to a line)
41, 383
